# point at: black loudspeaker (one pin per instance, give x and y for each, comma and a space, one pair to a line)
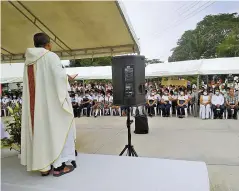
141, 124
128, 79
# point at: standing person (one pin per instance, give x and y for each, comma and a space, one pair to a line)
232, 103
48, 129
205, 105
218, 103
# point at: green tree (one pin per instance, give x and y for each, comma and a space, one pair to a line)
101, 61
230, 46
205, 40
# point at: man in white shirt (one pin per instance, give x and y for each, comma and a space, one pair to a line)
14, 101
166, 103
218, 104
151, 103
5, 102
86, 103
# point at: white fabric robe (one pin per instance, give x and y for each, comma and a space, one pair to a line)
44, 144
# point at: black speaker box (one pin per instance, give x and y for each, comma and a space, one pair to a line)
141, 124
128, 79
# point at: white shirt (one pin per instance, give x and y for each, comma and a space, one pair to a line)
175, 97
20, 100
5, 100
166, 98
109, 99
218, 99
205, 98
14, 101
182, 97
79, 99
151, 97
100, 98
157, 97
89, 97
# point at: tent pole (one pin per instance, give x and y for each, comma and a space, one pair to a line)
196, 97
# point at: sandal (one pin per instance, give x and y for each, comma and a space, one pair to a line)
46, 173
64, 169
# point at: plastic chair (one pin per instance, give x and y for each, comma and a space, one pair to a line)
185, 110
170, 112
218, 109
200, 112
232, 113
85, 109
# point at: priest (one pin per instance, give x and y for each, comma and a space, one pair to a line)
48, 128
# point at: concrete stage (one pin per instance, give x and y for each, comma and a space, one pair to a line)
111, 173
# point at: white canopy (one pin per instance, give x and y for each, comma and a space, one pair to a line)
78, 29
11, 73
14, 73
86, 73
190, 67
194, 67
220, 66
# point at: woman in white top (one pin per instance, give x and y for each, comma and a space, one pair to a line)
182, 104
205, 105
99, 103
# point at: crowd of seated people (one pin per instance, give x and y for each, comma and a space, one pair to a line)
9, 100
213, 100
97, 99
168, 100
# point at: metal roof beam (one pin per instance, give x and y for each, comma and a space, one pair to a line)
35, 21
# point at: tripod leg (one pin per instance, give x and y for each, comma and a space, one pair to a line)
135, 154
129, 151
122, 152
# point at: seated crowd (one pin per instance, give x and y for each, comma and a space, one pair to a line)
97, 99
179, 100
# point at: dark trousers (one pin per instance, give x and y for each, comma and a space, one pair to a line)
174, 105
86, 105
75, 110
229, 110
216, 112
181, 110
166, 108
151, 109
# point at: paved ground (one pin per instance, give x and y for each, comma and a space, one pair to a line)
214, 141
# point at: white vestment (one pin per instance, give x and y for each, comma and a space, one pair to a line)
48, 137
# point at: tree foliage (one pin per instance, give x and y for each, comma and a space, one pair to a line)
102, 61
214, 36
14, 129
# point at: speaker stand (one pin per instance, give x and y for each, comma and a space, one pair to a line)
129, 148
